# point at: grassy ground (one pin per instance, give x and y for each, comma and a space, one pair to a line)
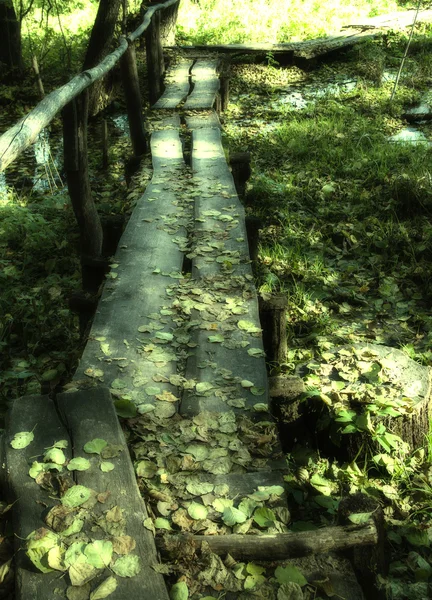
347, 236
237, 21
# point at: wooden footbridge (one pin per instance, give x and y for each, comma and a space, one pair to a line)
176, 349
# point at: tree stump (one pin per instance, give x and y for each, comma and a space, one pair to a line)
375, 392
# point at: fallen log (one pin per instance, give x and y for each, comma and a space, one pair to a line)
279, 546
310, 49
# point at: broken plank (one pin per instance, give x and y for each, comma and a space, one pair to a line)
89, 414
129, 340
206, 84
177, 85
281, 546
202, 120
39, 415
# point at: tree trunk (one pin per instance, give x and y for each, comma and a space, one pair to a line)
168, 22
99, 45
10, 36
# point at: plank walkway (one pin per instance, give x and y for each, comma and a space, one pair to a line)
177, 338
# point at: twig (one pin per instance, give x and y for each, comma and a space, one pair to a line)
406, 52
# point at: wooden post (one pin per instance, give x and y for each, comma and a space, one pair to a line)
253, 226
154, 55
131, 88
273, 321
241, 171
104, 144
77, 176
224, 91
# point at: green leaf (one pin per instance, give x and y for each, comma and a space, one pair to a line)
38, 468
118, 384
248, 326
245, 383
290, 573
106, 466
55, 455
255, 352
127, 566
179, 591
22, 440
152, 390
264, 517
75, 496
216, 339
197, 511
199, 488
95, 446
204, 386
161, 523
162, 335
125, 408
103, 590
321, 484
99, 553
231, 516
145, 468
360, 518
79, 464
39, 543
61, 444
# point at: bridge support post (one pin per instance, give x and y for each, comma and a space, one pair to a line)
132, 93
155, 60
77, 176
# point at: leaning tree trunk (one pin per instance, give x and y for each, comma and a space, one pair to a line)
10, 36
99, 46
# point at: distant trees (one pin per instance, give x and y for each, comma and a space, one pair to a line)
10, 35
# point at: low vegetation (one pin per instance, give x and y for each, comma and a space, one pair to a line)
346, 235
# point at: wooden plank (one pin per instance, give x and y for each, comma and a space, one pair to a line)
206, 85
123, 345
177, 85
222, 284
202, 120
281, 546
37, 414
91, 414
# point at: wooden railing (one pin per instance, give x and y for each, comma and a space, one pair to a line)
16, 139
73, 100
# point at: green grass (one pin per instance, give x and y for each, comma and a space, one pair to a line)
271, 21
347, 236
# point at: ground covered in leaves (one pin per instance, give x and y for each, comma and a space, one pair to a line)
346, 234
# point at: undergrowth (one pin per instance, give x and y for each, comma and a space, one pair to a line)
347, 236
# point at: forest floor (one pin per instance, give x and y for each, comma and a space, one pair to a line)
346, 235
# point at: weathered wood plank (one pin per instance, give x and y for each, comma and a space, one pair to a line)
149, 259
202, 120
177, 85
281, 546
37, 414
206, 85
221, 270
90, 414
